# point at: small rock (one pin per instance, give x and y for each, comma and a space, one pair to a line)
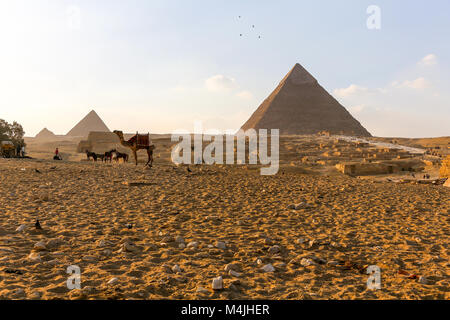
176, 269
232, 266
423, 280
35, 257
268, 268
234, 273
306, 262
102, 243
21, 228
202, 290
40, 246
300, 206
113, 281
192, 244
129, 247
87, 290
181, 245
179, 239
300, 241
221, 245
35, 295
53, 243
217, 283
291, 206
89, 258
274, 249
259, 261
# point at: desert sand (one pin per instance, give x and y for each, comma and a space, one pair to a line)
166, 233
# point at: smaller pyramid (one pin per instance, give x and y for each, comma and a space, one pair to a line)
91, 122
45, 134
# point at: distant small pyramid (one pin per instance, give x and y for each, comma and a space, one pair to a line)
92, 122
299, 105
45, 134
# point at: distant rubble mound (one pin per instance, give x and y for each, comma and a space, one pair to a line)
300, 105
91, 122
45, 134
444, 172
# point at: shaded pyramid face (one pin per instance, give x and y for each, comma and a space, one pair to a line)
299, 105
91, 122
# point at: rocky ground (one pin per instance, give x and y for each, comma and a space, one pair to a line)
166, 233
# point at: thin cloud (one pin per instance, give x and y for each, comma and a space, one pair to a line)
429, 60
220, 83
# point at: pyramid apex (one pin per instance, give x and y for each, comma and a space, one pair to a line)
299, 75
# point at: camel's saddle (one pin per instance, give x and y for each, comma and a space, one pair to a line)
141, 140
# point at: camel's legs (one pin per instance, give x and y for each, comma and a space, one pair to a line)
150, 157
135, 155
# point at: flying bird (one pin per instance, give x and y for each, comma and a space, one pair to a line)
188, 169
37, 170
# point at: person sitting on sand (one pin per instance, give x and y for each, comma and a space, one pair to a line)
57, 156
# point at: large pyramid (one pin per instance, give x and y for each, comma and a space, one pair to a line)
91, 122
299, 105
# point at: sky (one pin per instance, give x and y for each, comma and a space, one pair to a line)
161, 65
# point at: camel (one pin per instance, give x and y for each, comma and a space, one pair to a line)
135, 146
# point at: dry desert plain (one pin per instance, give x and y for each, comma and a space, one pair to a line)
166, 233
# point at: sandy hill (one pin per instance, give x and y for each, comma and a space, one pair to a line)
299, 105
45, 134
92, 122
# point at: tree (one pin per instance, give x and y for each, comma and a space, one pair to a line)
13, 132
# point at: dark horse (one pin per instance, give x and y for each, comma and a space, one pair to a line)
91, 155
109, 155
120, 155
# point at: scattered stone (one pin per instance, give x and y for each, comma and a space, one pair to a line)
192, 244
35, 295
300, 241
181, 245
113, 281
21, 228
202, 290
217, 283
35, 257
259, 261
87, 290
306, 262
423, 280
102, 243
89, 258
299, 206
221, 245
232, 266
129, 247
179, 239
274, 249
40, 246
268, 268
234, 273
291, 206
54, 243
176, 269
